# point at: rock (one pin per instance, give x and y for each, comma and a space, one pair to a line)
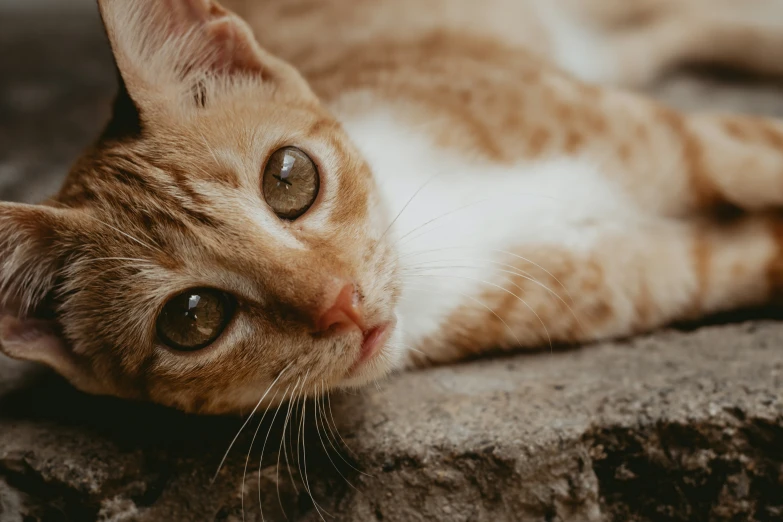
681, 425
675, 426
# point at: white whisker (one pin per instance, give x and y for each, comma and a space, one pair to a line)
425, 224
124, 234
325, 420
342, 440
102, 273
299, 434
546, 330
283, 438
258, 405
407, 204
247, 460
334, 422
318, 507
319, 412
209, 148
421, 269
511, 331
498, 251
263, 449
281, 449
97, 259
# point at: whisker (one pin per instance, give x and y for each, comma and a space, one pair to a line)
422, 233
118, 259
281, 449
125, 234
342, 440
547, 272
465, 207
546, 330
407, 204
261, 459
318, 507
138, 268
421, 270
411, 348
247, 460
295, 441
300, 433
493, 312
499, 251
334, 423
285, 427
325, 420
258, 405
319, 412
209, 147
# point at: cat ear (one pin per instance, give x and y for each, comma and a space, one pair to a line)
165, 48
34, 240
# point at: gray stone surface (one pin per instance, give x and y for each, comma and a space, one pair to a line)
681, 425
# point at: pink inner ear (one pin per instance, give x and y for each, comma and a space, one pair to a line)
186, 13
34, 340
236, 52
202, 10
39, 341
232, 43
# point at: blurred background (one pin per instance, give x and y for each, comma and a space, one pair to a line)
56, 86
57, 83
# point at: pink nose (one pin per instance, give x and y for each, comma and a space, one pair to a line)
344, 314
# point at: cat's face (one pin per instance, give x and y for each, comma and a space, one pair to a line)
222, 239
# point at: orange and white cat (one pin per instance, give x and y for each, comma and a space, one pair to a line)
295, 196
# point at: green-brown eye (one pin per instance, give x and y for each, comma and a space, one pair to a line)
195, 319
290, 183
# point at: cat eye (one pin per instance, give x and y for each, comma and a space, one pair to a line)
195, 319
291, 183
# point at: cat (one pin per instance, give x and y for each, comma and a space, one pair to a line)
296, 196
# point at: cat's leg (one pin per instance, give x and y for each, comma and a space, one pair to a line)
633, 42
631, 279
668, 162
687, 163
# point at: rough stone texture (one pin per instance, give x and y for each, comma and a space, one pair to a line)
681, 425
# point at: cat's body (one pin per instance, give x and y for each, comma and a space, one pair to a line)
475, 193
525, 181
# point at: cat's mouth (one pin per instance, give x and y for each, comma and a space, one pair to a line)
372, 344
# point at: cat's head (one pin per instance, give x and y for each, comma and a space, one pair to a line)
222, 236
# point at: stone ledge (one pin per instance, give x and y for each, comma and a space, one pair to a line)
676, 426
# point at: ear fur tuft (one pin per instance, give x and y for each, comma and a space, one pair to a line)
166, 47
35, 242
31, 254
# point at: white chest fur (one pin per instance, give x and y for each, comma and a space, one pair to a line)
460, 214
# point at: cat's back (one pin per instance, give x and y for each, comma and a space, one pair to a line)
455, 67
334, 44
287, 26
